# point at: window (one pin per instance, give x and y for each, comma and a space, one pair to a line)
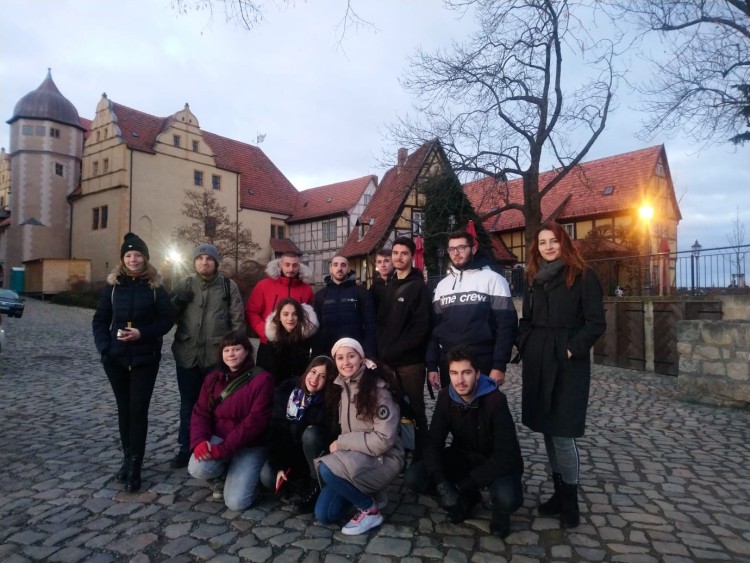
198, 178
27, 130
209, 227
417, 222
98, 136
96, 168
195, 146
54, 132
106, 132
41, 131
660, 169
106, 165
329, 231
280, 232
99, 217
273, 231
216, 182
176, 140
59, 169
608, 190
368, 197
571, 229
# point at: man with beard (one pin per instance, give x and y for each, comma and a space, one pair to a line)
208, 305
344, 310
472, 307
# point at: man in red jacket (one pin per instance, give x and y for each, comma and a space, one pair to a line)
287, 277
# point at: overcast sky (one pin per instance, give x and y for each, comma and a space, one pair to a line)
324, 108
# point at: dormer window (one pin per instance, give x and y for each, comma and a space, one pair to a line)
195, 146
659, 169
608, 190
176, 141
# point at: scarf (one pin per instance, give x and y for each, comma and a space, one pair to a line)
299, 402
548, 271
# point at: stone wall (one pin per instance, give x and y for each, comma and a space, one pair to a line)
714, 361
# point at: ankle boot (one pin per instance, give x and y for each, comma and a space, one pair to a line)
134, 476
306, 504
122, 474
500, 523
552, 506
569, 515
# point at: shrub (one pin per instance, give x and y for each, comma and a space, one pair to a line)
81, 294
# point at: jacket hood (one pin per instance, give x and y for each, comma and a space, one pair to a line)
151, 275
350, 277
414, 273
478, 262
308, 330
485, 386
274, 271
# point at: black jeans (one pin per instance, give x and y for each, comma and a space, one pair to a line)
133, 388
189, 383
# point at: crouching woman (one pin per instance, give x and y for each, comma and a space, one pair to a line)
368, 454
229, 421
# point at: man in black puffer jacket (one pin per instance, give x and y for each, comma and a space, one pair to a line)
345, 310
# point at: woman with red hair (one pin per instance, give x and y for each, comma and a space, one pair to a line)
563, 316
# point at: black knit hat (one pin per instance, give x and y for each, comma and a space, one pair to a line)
133, 242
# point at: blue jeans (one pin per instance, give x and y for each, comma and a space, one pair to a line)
337, 496
189, 382
243, 473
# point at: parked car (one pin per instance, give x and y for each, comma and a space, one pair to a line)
10, 303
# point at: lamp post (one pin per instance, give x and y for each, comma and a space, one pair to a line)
694, 264
647, 212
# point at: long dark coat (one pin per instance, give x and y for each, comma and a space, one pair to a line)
557, 319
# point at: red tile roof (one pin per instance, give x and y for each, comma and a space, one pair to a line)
332, 199
281, 245
262, 186
383, 210
580, 194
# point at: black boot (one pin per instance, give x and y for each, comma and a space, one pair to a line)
306, 503
552, 506
134, 476
122, 474
500, 523
569, 516
467, 501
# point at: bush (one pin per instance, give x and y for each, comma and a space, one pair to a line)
81, 294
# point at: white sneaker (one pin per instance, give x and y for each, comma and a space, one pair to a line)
381, 499
363, 521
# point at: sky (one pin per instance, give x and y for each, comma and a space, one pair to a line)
324, 105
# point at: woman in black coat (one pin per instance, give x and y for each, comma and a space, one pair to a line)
133, 315
563, 316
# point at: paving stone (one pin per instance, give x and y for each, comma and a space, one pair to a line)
256, 554
388, 546
70, 555
180, 545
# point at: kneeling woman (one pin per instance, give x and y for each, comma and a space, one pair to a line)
303, 423
229, 421
368, 454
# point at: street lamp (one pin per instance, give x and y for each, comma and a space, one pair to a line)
694, 263
647, 212
174, 259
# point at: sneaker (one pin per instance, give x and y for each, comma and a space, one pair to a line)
381, 499
217, 489
181, 459
363, 521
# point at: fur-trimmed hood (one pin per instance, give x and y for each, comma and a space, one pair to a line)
307, 330
151, 275
274, 271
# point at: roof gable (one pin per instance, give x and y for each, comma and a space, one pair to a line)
600, 187
332, 199
262, 185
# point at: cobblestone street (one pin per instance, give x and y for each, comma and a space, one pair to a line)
662, 479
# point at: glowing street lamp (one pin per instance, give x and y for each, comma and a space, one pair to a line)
647, 212
696, 248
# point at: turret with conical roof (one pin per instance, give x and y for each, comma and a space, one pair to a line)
46, 102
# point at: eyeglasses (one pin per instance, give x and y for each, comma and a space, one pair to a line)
458, 249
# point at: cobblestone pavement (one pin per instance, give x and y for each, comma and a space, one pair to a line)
662, 480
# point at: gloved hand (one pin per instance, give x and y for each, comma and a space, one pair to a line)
449, 497
183, 297
202, 451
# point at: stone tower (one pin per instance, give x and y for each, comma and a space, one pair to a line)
46, 142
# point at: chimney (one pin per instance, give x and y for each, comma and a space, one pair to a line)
401, 159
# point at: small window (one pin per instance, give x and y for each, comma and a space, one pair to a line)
176, 140
216, 182
59, 169
95, 219
98, 136
96, 168
571, 230
103, 216
273, 231
417, 222
659, 169
368, 197
329, 231
608, 190
106, 132
105, 163
54, 132
99, 217
195, 146
27, 130
198, 178
280, 232
41, 131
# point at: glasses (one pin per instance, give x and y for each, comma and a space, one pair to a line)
458, 249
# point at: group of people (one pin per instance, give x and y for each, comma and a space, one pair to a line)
319, 408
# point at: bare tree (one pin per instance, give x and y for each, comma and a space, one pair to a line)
506, 101
211, 223
703, 85
736, 239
